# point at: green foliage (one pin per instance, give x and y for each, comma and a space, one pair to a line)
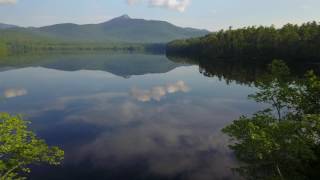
308, 101
275, 89
276, 150
3, 49
291, 42
20, 148
281, 142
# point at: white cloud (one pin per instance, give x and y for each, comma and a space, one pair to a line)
306, 7
8, 2
178, 5
158, 92
132, 2
12, 93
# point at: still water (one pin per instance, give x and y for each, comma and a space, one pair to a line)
126, 116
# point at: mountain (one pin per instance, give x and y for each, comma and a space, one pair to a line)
120, 29
7, 26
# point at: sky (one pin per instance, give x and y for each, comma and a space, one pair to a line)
205, 14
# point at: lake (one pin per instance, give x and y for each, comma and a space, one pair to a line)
127, 116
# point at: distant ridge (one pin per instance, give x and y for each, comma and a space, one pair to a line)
7, 26
120, 29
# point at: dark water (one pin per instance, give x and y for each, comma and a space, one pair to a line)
126, 116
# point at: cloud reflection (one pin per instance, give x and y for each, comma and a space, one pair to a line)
167, 138
175, 137
12, 93
3, 2
158, 92
166, 149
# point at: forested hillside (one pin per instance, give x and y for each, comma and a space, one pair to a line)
291, 42
20, 41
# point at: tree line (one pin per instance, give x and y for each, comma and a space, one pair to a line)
291, 42
16, 42
23, 47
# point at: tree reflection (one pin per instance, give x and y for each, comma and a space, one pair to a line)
240, 71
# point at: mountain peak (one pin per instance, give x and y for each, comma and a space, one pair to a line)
125, 16
119, 19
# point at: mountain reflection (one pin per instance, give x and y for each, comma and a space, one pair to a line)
124, 65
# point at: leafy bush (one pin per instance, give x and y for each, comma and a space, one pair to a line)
20, 147
281, 142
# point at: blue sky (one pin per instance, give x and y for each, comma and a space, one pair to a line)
209, 14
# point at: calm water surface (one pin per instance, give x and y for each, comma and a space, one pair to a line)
126, 116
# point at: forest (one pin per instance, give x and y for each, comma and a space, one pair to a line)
298, 43
16, 42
